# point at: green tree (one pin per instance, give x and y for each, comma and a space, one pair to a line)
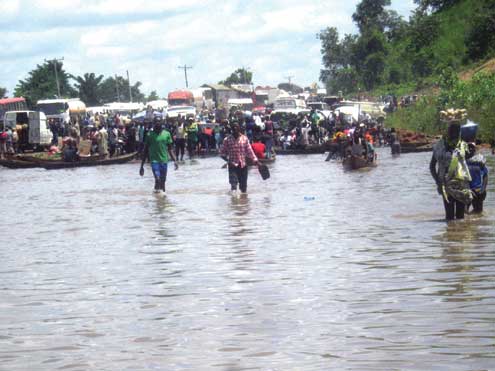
369, 57
3, 92
41, 83
153, 96
395, 27
116, 89
239, 76
434, 5
370, 14
338, 74
422, 32
335, 53
480, 39
394, 74
344, 80
137, 95
373, 68
88, 86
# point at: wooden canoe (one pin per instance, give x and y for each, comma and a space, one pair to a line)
267, 160
307, 150
13, 163
26, 162
416, 149
355, 163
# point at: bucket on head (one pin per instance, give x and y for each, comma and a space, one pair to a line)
469, 131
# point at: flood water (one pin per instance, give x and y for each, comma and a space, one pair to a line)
316, 269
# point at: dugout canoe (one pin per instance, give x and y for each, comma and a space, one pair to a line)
307, 150
416, 149
23, 162
355, 163
13, 163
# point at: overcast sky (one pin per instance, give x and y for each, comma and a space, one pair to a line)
151, 38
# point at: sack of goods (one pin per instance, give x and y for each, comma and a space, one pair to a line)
453, 114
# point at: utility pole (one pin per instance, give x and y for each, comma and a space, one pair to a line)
185, 68
129, 82
117, 85
290, 85
55, 61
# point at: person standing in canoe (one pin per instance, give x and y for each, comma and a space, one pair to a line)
102, 140
158, 147
235, 150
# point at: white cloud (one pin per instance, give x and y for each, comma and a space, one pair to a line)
8, 8
150, 38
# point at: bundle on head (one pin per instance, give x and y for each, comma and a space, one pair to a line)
453, 114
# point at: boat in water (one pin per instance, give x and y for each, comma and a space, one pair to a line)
267, 160
306, 150
31, 161
356, 162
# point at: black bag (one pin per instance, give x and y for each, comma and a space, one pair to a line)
264, 172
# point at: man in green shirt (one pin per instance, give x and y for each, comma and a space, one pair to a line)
157, 147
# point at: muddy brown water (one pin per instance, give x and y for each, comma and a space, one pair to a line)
316, 269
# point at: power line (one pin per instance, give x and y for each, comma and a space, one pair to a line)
55, 61
185, 68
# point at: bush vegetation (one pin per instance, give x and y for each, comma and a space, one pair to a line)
392, 56
476, 95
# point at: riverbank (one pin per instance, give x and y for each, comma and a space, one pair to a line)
476, 95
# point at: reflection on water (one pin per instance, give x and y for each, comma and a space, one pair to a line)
314, 269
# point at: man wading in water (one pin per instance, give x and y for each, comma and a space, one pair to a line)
157, 145
452, 176
235, 149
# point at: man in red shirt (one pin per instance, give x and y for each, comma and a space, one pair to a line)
235, 149
207, 135
258, 148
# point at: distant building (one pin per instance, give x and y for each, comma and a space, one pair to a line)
203, 98
221, 94
245, 88
266, 94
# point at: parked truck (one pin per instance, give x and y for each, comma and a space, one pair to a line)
32, 129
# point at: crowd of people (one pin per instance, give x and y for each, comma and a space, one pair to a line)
241, 140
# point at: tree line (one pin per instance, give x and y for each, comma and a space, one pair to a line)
92, 89
389, 50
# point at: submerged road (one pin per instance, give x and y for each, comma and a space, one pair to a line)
316, 269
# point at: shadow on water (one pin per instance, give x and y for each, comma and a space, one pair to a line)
463, 232
240, 222
162, 204
463, 257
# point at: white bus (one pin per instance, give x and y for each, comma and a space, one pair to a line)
62, 110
